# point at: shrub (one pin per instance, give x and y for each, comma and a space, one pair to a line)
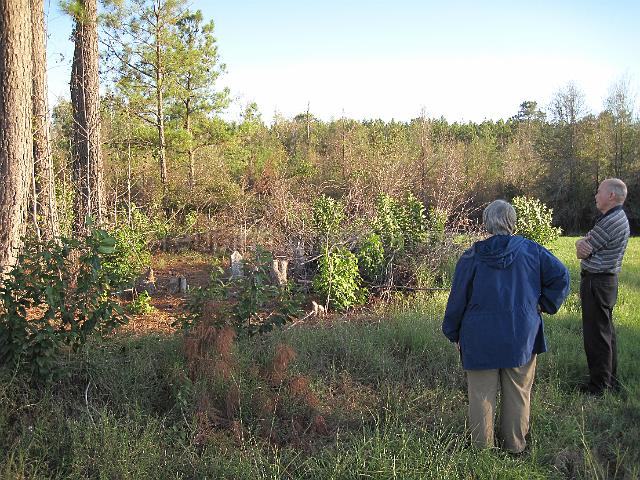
261, 305
534, 220
131, 252
328, 214
371, 257
251, 304
413, 242
388, 223
413, 220
55, 297
402, 224
141, 304
338, 279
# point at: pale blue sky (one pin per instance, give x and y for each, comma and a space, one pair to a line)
464, 60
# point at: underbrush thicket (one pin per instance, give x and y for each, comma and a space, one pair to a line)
56, 296
380, 395
349, 260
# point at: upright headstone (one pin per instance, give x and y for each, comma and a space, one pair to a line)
174, 284
146, 283
236, 265
279, 271
177, 284
183, 284
299, 260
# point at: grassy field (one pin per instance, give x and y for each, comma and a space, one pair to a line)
381, 397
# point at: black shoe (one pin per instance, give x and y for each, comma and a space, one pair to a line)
591, 389
522, 453
615, 385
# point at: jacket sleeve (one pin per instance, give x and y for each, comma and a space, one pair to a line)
554, 278
459, 297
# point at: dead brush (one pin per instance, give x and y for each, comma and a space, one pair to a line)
283, 404
211, 364
290, 410
278, 370
207, 418
209, 351
223, 343
301, 392
196, 345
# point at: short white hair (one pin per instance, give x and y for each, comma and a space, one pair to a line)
499, 218
617, 187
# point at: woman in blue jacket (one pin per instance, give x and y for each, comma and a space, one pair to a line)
500, 287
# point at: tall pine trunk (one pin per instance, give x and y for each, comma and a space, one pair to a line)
45, 195
191, 150
85, 101
16, 154
159, 70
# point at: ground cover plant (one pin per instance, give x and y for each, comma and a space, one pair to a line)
377, 395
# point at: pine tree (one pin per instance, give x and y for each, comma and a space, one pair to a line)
143, 42
16, 154
85, 101
44, 202
195, 97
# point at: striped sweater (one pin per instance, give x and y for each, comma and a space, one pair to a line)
609, 239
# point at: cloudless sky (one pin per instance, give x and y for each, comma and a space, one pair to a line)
464, 60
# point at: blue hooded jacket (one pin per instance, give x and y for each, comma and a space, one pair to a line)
499, 287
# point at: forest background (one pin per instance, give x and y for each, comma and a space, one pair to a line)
229, 176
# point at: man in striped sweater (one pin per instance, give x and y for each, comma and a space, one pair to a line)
601, 253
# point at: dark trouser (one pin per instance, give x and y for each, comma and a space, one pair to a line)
598, 293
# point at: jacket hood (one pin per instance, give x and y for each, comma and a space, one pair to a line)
499, 251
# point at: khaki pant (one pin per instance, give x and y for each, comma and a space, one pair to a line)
515, 403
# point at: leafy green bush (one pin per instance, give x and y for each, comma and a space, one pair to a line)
141, 304
54, 298
534, 220
388, 223
251, 304
131, 253
328, 214
414, 222
403, 223
338, 279
371, 257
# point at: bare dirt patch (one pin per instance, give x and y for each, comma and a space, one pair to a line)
168, 306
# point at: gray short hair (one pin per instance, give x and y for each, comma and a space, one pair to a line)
617, 187
499, 218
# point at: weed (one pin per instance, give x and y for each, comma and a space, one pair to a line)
141, 304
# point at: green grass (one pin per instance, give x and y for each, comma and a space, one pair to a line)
392, 392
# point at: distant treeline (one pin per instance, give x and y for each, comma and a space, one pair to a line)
265, 176
167, 150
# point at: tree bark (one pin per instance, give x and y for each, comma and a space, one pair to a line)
85, 100
191, 150
45, 203
162, 149
16, 155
